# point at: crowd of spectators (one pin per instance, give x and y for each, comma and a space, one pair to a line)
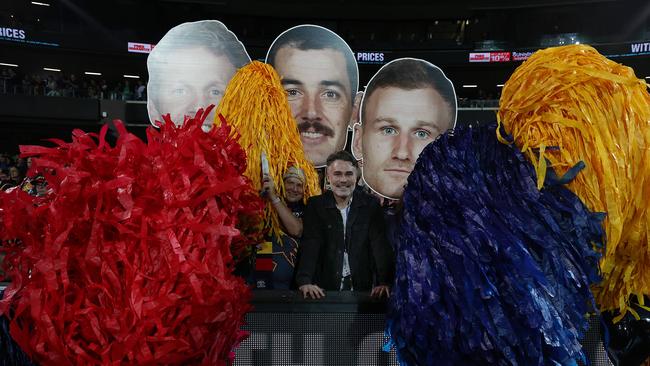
57, 84
13, 173
481, 100
13, 170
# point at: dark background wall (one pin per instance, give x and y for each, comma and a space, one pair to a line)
93, 35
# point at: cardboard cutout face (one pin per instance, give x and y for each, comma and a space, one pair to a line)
190, 68
320, 75
407, 104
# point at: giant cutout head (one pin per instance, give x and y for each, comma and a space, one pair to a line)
406, 105
190, 68
321, 77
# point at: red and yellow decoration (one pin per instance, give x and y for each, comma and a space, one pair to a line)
256, 105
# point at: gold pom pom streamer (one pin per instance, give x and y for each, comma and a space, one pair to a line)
570, 104
256, 105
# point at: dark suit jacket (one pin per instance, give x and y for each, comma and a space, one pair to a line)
322, 244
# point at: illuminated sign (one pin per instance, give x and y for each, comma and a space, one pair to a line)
21, 36
479, 57
12, 33
370, 57
521, 56
489, 56
640, 47
499, 56
140, 47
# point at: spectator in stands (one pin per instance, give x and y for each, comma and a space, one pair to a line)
38, 86
14, 178
52, 88
116, 91
25, 85
289, 209
275, 260
90, 91
35, 186
320, 74
73, 86
127, 93
8, 80
103, 89
343, 245
190, 68
140, 91
4, 161
407, 104
21, 164
4, 177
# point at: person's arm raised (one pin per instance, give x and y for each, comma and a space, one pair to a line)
290, 223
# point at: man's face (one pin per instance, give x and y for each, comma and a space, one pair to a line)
397, 125
294, 189
319, 92
188, 80
342, 176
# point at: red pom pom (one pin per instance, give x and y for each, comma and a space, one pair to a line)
129, 258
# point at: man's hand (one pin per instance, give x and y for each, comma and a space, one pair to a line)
380, 291
268, 188
312, 291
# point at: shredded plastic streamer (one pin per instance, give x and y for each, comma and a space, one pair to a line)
568, 105
129, 259
256, 105
490, 270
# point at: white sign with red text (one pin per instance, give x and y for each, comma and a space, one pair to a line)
499, 56
479, 57
140, 47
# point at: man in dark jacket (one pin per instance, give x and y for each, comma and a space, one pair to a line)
343, 243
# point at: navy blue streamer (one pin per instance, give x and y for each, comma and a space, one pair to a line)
490, 270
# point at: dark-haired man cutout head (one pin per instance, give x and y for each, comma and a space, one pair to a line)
320, 75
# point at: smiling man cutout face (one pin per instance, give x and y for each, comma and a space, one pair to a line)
320, 76
407, 104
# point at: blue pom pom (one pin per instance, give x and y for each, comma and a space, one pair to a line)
490, 270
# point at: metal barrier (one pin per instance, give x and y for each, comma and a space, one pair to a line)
344, 328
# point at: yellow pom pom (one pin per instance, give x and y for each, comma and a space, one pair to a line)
256, 105
570, 104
